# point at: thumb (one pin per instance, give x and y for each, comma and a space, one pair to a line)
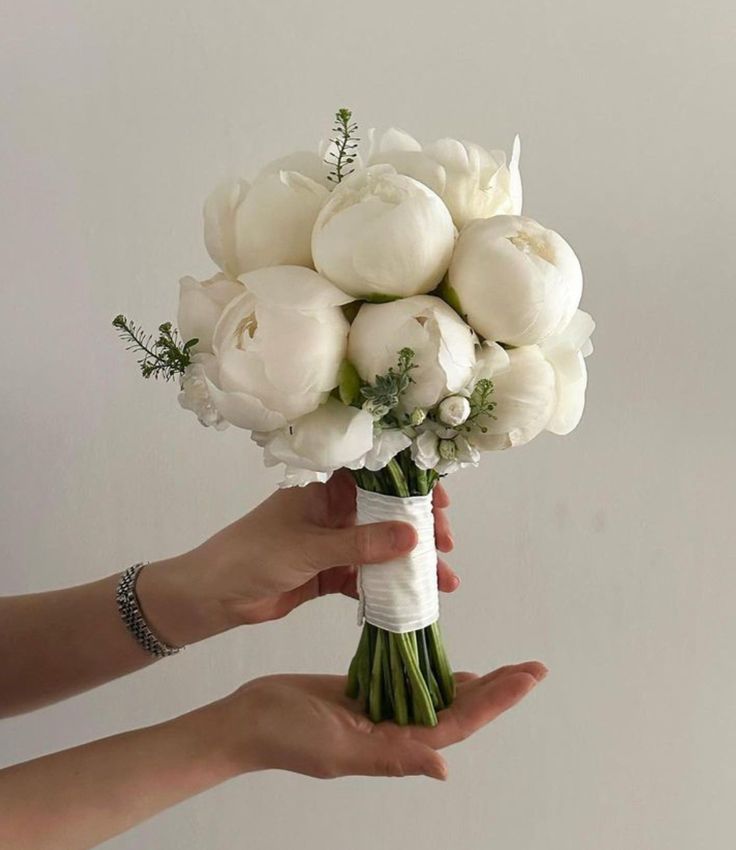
362, 544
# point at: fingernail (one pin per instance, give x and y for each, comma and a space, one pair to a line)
455, 582
540, 673
403, 537
440, 774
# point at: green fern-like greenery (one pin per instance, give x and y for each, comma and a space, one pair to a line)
384, 394
346, 146
164, 357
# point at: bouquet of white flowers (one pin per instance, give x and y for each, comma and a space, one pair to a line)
394, 315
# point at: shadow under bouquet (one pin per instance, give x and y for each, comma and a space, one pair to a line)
392, 314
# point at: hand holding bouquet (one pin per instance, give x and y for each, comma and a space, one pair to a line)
395, 316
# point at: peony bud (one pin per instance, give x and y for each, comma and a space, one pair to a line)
381, 233
454, 410
516, 281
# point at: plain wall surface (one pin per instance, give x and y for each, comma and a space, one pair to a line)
607, 554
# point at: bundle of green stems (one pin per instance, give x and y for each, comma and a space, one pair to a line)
401, 677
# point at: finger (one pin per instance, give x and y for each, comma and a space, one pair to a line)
340, 490
447, 578
440, 497
359, 544
476, 705
533, 668
337, 580
389, 756
442, 534
463, 677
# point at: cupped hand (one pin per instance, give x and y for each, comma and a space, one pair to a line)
306, 724
302, 543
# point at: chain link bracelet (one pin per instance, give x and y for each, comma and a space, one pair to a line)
132, 616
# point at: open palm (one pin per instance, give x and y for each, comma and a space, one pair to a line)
306, 724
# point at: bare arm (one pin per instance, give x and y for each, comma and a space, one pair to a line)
80, 797
59, 643
295, 546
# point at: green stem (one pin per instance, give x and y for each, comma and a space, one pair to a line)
440, 663
398, 682
424, 713
375, 698
397, 477
363, 671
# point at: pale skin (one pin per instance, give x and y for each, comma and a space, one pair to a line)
297, 545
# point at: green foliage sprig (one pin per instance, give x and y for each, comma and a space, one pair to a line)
481, 405
384, 394
164, 357
346, 144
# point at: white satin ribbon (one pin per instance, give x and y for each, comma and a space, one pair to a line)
400, 595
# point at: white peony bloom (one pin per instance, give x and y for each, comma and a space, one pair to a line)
328, 438
279, 347
382, 233
535, 387
307, 163
443, 346
516, 281
268, 223
195, 394
200, 306
454, 410
473, 182
524, 393
566, 352
295, 477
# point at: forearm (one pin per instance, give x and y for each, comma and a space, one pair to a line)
60, 643
80, 797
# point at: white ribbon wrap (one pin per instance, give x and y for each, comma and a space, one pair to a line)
400, 595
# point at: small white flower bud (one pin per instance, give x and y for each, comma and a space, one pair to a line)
417, 416
454, 410
447, 450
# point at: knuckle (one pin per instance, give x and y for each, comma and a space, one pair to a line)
392, 767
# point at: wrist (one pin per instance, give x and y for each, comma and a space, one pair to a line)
218, 742
231, 726
178, 602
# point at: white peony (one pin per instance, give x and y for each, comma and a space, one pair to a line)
328, 438
473, 182
195, 394
566, 352
200, 306
268, 223
535, 387
279, 347
443, 346
517, 282
382, 233
524, 393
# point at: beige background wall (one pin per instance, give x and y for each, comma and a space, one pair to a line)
608, 555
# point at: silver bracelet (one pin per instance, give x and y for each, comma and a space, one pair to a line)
133, 618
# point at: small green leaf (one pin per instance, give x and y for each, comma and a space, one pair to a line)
449, 295
380, 298
349, 383
350, 310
